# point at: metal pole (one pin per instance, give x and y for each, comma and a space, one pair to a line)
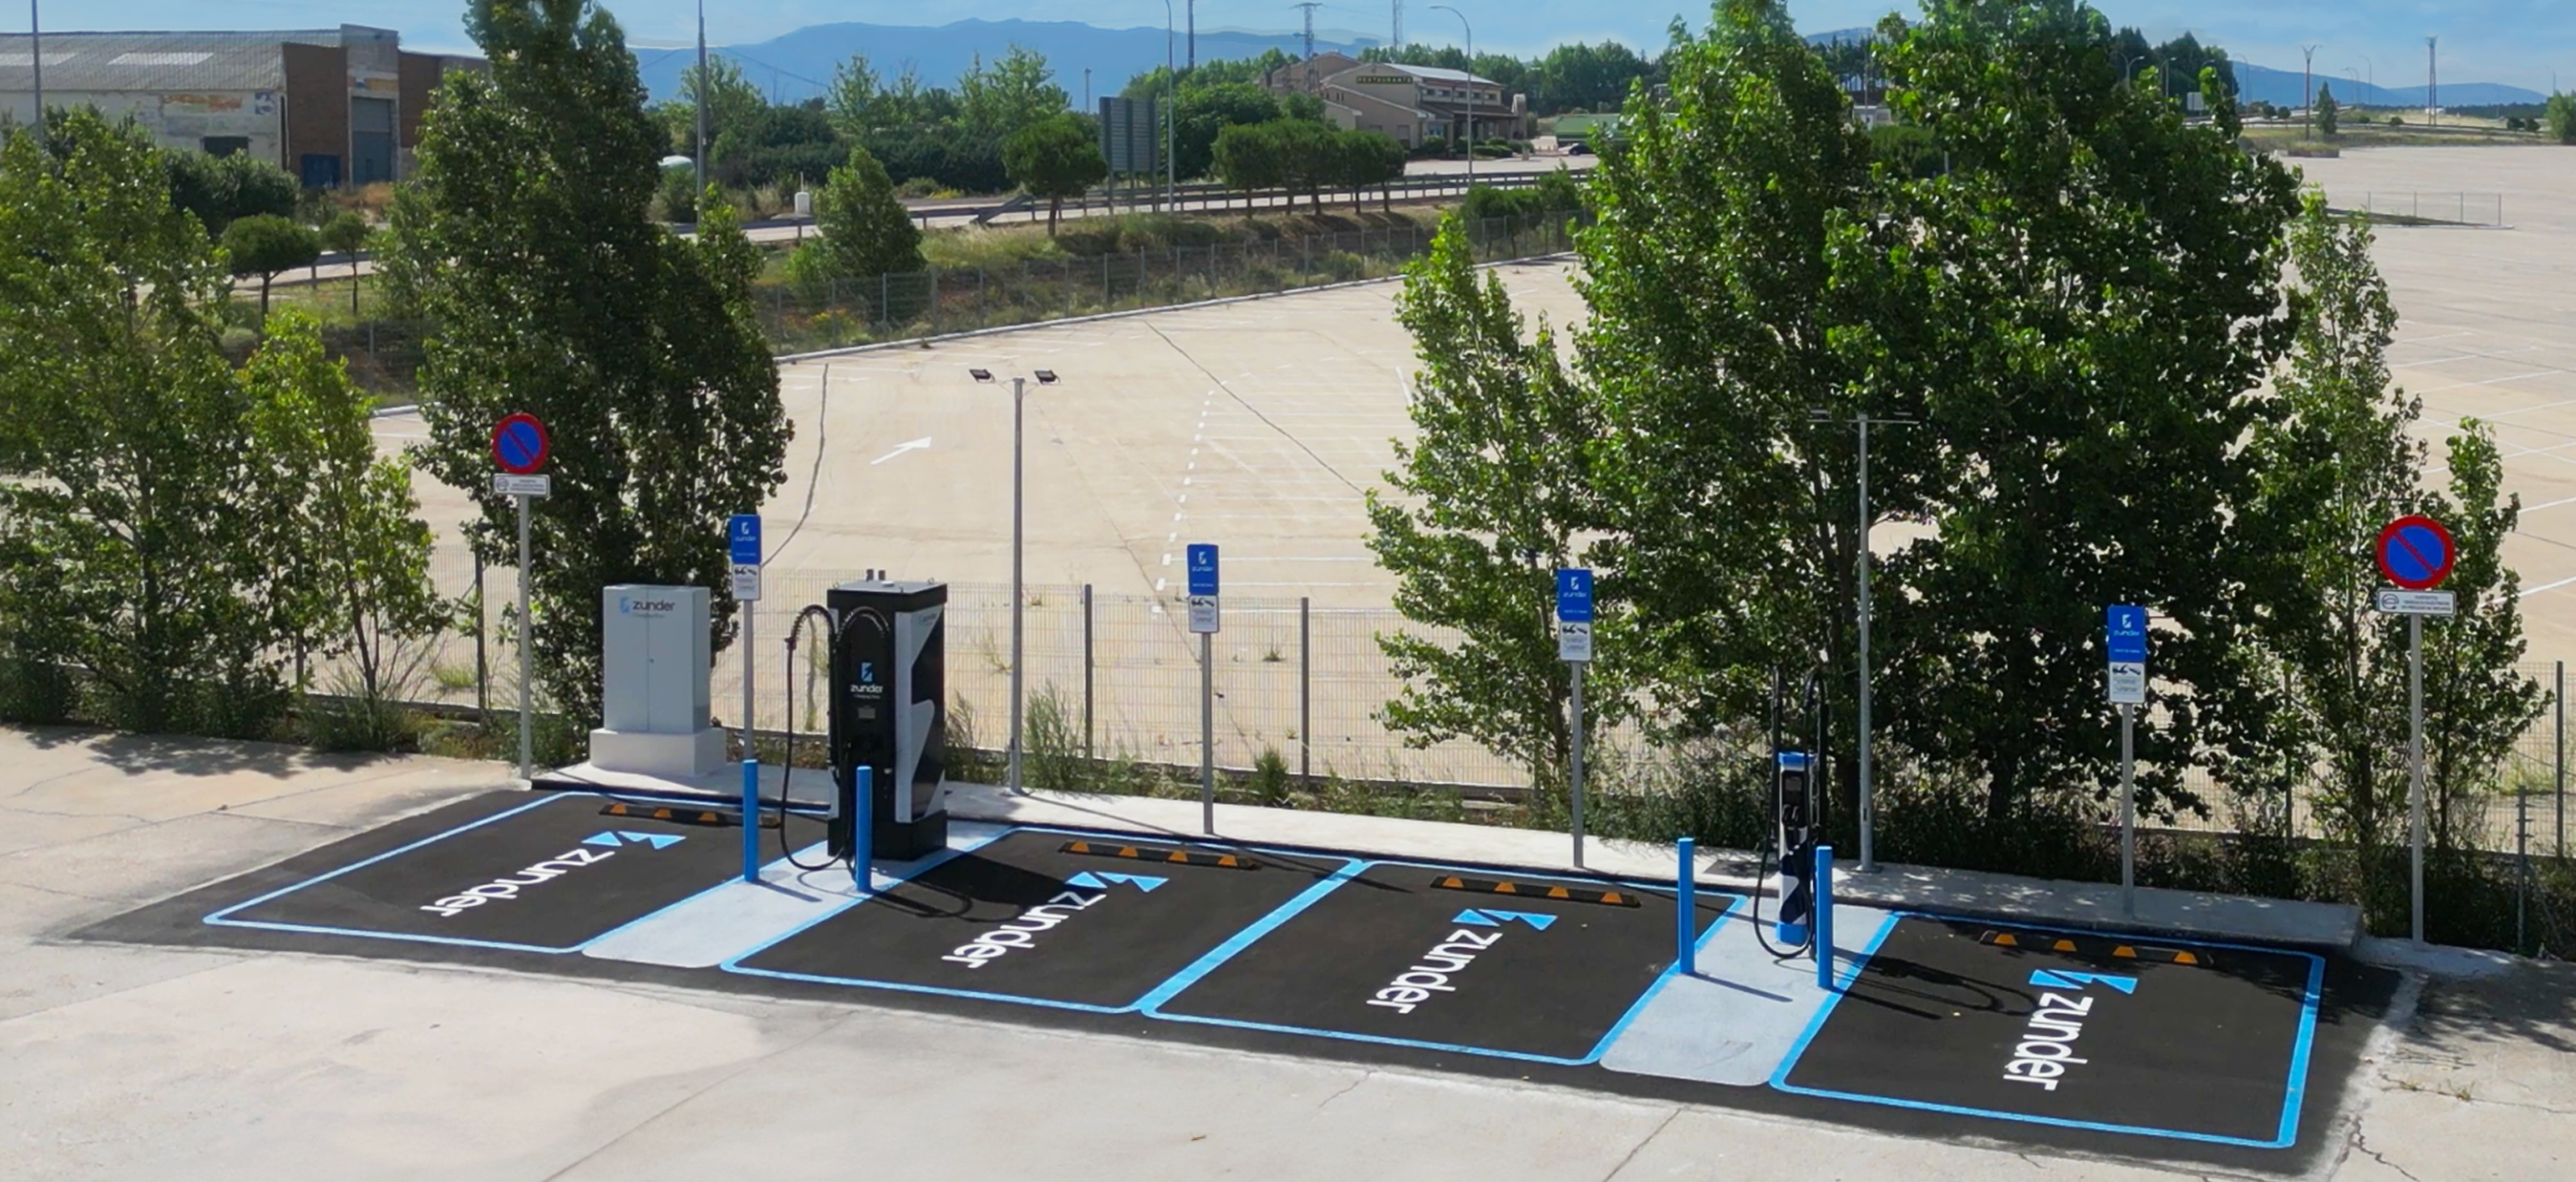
699, 180
1018, 387
527, 750
1686, 906
1086, 670
1171, 115
1305, 688
2128, 812
36, 58
1576, 747
1207, 735
2415, 761
1823, 921
482, 668
1868, 802
747, 649
751, 816
2559, 771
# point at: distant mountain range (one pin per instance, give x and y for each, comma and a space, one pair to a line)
2283, 88
799, 65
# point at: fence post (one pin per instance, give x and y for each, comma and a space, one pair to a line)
934, 301
483, 670
1086, 671
885, 306
2560, 763
1305, 688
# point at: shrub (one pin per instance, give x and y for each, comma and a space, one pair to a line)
220, 189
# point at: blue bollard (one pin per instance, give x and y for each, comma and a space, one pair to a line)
863, 831
1685, 897
1824, 919
751, 820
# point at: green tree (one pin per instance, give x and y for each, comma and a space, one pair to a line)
1055, 158
129, 554
220, 188
265, 245
995, 102
2326, 111
1205, 112
1365, 158
1742, 278
2341, 460
346, 234
354, 588
1586, 77
2561, 114
1309, 156
857, 99
866, 229
2109, 300
2477, 703
733, 103
1247, 158
1494, 495
524, 238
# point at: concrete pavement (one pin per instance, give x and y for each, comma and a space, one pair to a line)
127, 1062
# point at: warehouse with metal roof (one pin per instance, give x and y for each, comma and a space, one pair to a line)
334, 107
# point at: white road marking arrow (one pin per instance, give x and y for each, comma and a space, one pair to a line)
900, 448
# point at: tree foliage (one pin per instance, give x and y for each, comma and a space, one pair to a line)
2561, 116
866, 230
1055, 158
1494, 497
994, 102
219, 189
264, 245
186, 527
524, 239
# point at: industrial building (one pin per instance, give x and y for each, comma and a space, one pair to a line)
1407, 103
334, 107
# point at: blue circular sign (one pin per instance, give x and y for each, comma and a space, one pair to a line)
2416, 553
519, 444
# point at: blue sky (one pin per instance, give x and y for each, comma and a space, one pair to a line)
2512, 41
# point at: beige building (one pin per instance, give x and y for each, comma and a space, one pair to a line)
1411, 104
334, 107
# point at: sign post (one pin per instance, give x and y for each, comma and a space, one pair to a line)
2126, 629
2416, 553
1574, 647
520, 446
742, 544
1203, 620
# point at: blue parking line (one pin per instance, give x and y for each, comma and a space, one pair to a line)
1268, 921
1207, 964
2291, 1103
223, 918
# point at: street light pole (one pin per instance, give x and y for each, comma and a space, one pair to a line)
1019, 399
1471, 89
1868, 797
36, 59
699, 182
1019, 538
1171, 112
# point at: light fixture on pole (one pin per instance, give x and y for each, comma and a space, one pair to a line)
1019, 393
1868, 801
1471, 88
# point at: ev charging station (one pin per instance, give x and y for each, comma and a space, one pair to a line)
889, 661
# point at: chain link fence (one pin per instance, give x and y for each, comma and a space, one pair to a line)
2462, 209
841, 312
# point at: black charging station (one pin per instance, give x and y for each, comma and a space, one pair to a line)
889, 714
